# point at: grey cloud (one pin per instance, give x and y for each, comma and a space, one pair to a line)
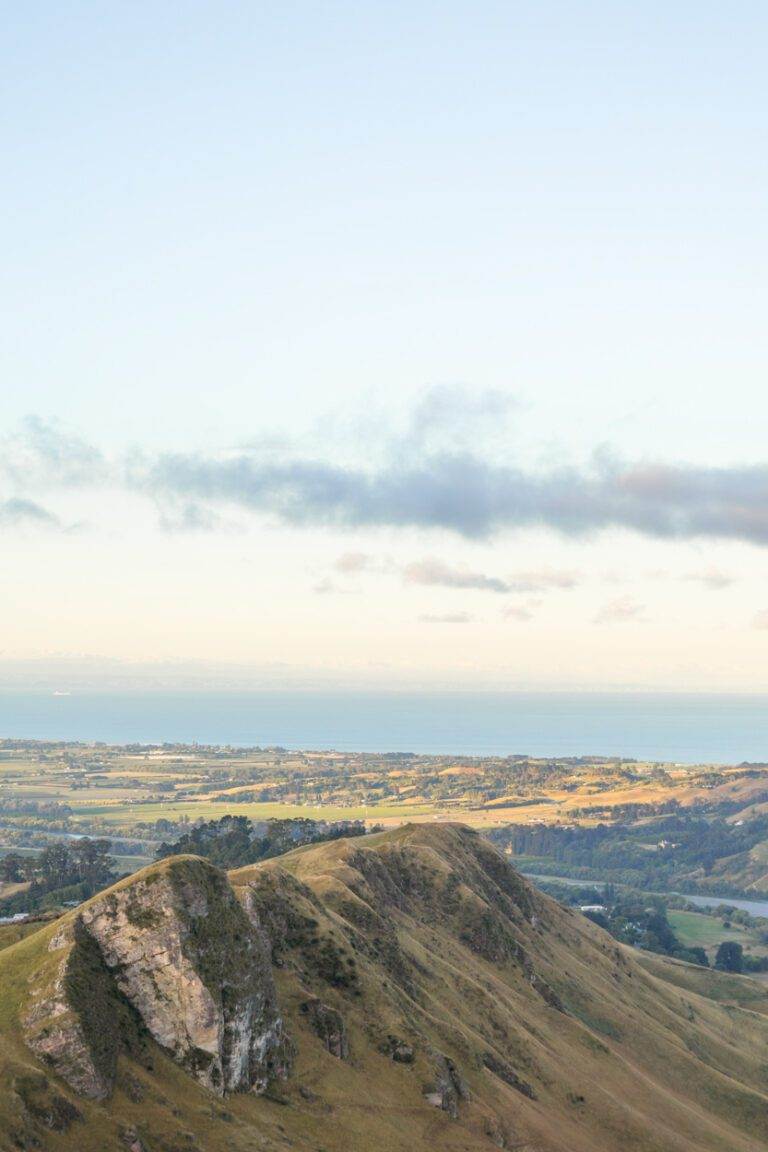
417, 486
42, 454
435, 573
711, 579
621, 611
189, 518
446, 618
476, 498
16, 512
449, 409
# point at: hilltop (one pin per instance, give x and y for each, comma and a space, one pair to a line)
402, 991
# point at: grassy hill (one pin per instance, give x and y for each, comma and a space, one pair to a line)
432, 1000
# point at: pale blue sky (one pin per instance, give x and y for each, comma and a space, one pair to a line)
230, 222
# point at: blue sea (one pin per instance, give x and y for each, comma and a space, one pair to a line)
646, 726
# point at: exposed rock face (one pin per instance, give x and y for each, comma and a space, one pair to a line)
401, 1052
449, 1087
329, 1025
178, 947
190, 962
58, 1033
55, 1035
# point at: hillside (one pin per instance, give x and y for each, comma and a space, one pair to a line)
403, 991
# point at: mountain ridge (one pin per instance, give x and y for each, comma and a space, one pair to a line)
403, 990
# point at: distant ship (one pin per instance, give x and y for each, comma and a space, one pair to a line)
57, 693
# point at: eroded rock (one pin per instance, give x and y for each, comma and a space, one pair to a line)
186, 957
63, 1028
175, 949
329, 1025
448, 1088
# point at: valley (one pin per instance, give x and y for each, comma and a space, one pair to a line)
617, 820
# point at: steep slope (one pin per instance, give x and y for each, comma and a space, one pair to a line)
403, 991
743, 872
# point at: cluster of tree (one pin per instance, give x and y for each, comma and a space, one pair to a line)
62, 871
731, 957
659, 855
633, 920
49, 808
234, 841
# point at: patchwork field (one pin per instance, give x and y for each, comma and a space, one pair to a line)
139, 796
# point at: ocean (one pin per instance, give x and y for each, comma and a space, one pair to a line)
700, 728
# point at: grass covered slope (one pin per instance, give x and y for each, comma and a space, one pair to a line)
432, 999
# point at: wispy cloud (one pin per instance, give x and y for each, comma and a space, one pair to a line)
711, 579
41, 454
760, 619
446, 618
436, 573
353, 562
189, 518
621, 611
542, 580
328, 587
448, 414
16, 511
520, 614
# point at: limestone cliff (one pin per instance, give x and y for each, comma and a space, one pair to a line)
176, 947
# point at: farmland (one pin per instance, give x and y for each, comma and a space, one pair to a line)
139, 796
696, 929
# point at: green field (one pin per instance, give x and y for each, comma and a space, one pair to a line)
131, 863
11, 933
214, 810
694, 929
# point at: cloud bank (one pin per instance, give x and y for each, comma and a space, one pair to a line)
478, 499
419, 483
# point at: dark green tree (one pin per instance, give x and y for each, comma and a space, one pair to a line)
730, 957
11, 868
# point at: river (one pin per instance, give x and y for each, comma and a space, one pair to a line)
754, 907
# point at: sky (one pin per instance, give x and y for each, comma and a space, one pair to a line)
404, 345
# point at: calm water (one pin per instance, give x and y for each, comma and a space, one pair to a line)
684, 728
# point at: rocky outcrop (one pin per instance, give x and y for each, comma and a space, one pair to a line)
43, 1105
329, 1025
400, 1051
54, 1034
501, 1069
448, 1088
176, 947
63, 1030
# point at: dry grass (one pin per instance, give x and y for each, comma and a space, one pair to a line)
651, 1057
